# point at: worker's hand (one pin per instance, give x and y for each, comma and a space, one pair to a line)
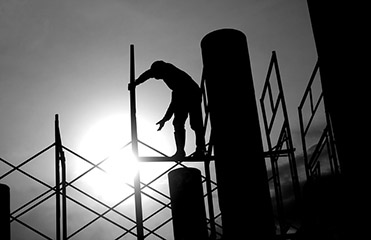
161, 123
131, 86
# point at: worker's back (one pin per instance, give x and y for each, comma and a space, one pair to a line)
177, 80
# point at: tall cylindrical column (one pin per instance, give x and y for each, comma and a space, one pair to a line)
187, 204
340, 35
243, 189
4, 212
342, 69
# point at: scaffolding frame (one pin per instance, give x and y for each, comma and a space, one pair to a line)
59, 192
312, 162
283, 146
137, 228
206, 159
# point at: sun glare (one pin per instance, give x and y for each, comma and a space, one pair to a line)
105, 141
120, 169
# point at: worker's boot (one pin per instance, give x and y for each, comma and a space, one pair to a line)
179, 136
200, 145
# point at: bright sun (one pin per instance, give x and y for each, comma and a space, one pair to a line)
106, 140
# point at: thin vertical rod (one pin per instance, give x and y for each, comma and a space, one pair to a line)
134, 144
292, 161
64, 195
57, 182
210, 200
207, 165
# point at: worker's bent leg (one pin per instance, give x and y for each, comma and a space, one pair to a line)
179, 132
197, 126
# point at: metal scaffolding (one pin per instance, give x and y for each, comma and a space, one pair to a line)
66, 190
312, 160
178, 162
64, 193
282, 146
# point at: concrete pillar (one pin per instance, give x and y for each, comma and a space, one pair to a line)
336, 70
341, 37
243, 189
187, 204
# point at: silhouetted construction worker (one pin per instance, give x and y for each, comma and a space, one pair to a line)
185, 99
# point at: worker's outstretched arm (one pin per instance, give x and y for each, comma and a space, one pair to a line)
169, 113
141, 79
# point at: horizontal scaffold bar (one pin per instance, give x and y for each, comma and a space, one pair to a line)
281, 153
177, 159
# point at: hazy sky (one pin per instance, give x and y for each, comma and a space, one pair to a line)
71, 57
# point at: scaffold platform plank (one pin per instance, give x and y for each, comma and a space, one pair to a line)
177, 159
280, 153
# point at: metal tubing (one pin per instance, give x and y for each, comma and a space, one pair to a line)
210, 203
289, 143
134, 144
60, 159
64, 197
18, 167
57, 182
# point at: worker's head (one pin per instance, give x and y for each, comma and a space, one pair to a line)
158, 69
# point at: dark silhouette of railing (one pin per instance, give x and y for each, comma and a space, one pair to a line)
20, 211
312, 160
281, 146
60, 192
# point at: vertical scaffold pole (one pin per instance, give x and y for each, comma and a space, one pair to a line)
57, 182
60, 163
64, 197
134, 144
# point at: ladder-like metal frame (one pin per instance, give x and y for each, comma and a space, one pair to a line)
283, 147
312, 162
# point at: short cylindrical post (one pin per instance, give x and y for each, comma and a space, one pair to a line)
134, 144
187, 204
5, 211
